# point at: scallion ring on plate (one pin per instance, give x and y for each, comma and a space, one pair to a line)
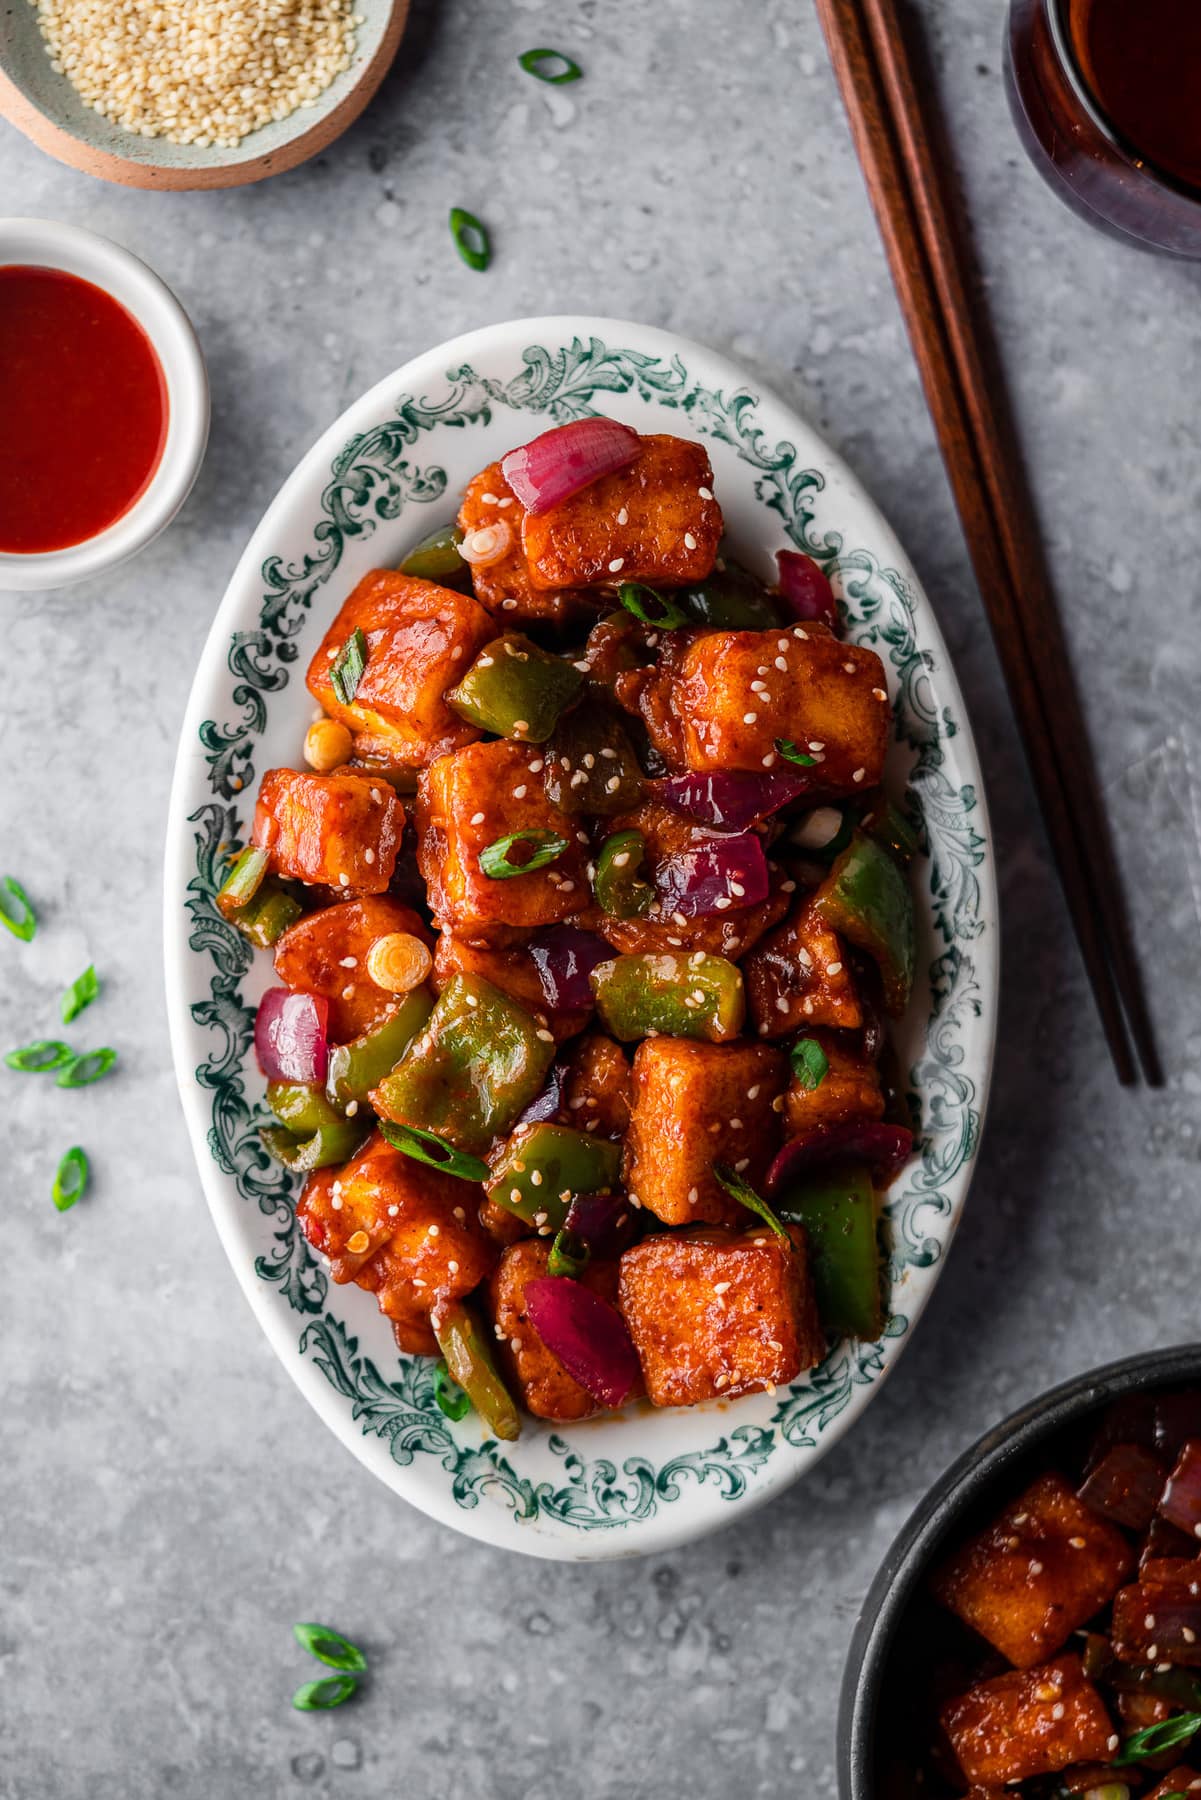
471, 238
496, 862
538, 63
70, 1180
428, 1147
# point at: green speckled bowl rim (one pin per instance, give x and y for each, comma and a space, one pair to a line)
374, 483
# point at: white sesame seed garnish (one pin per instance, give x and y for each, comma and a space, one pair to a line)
618, 562
343, 879
393, 1210
849, 667
858, 775
435, 1230
376, 795
349, 962
798, 633
782, 662
742, 1163
704, 494
723, 903
509, 605
769, 759
737, 889
352, 1109
545, 1037
336, 1204
348, 992
521, 724
1149, 1622
623, 517
477, 818
689, 541
879, 694
369, 856
735, 1124
1057, 1710
519, 793
613, 783
749, 718
460, 1215
721, 1287
833, 968
581, 666
752, 1093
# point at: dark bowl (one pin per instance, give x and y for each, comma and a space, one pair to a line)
983, 1477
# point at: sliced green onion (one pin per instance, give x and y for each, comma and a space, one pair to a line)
790, 753
330, 1647
82, 991
40, 1058
652, 607
70, 1179
83, 1070
449, 1395
534, 61
243, 881
745, 1194
1164, 1736
319, 1696
428, 1147
471, 238
346, 670
569, 1255
494, 858
22, 924
810, 1064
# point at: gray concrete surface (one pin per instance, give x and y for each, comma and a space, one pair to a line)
168, 1504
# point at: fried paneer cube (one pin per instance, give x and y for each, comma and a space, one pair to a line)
716, 1312
340, 831
667, 833
654, 521
504, 587
738, 691
798, 977
512, 969
1027, 1723
850, 1089
351, 1214
326, 953
420, 638
544, 1386
697, 1104
469, 800
1039, 1571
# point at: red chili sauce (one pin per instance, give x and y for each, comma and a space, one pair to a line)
83, 410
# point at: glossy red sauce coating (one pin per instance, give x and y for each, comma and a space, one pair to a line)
83, 410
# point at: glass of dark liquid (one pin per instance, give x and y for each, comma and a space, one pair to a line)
1106, 95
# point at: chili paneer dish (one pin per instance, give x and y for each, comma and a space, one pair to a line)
1067, 1660
588, 910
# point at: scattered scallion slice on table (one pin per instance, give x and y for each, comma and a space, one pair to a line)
330, 1647
810, 1064
540, 64
745, 1194
495, 860
320, 1696
346, 670
471, 238
40, 1058
82, 991
788, 750
70, 1180
449, 1396
652, 607
22, 924
83, 1070
427, 1147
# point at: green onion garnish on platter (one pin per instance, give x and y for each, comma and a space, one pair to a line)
495, 860
744, 1193
346, 670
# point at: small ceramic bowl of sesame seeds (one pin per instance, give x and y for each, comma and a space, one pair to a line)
383, 483
1035, 1628
162, 94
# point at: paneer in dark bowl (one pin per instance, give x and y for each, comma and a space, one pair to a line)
588, 912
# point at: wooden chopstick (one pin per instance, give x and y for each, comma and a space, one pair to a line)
975, 458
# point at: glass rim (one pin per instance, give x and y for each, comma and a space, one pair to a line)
1065, 49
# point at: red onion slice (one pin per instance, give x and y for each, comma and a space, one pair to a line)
720, 874
886, 1147
1125, 1486
290, 1036
599, 1220
559, 463
1180, 1503
732, 799
565, 957
548, 1103
1160, 1624
588, 1336
805, 590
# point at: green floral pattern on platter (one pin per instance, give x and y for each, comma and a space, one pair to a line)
374, 479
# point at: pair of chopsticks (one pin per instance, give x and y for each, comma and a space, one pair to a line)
978, 448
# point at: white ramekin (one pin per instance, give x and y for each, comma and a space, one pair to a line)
44, 243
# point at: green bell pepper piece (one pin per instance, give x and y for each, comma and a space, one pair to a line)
866, 899
462, 1342
516, 689
543, 1166
591, 765
695, 996
311, 1134
254, 902
569, 1255
729, 599
837, 1207
357, 1067
436, 557
480, 1060
619, 888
